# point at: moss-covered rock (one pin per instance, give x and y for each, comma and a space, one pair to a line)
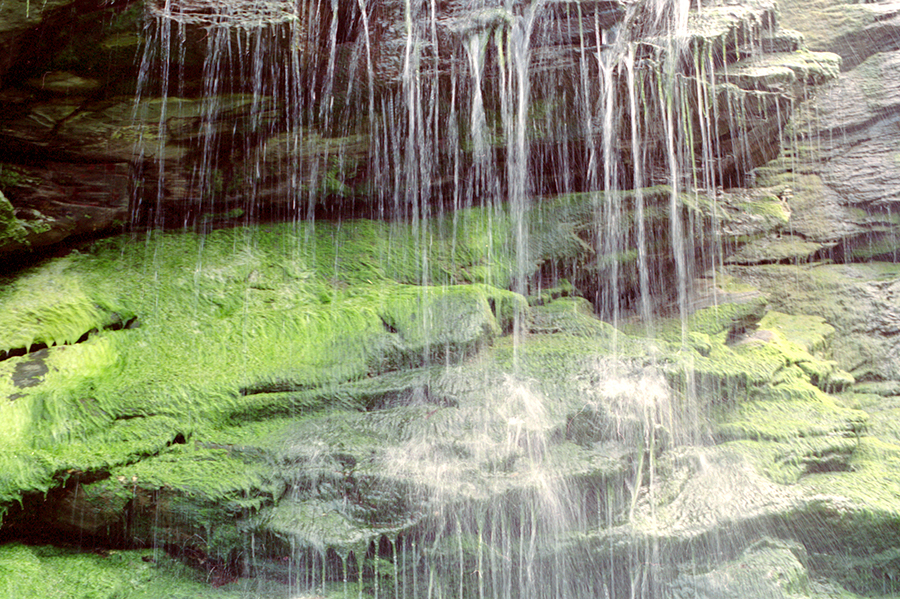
67, 573
787, 72
768, 568
328, 397
855, 299
217, 328
781, 249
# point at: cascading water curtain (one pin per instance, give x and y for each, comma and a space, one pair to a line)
266, 118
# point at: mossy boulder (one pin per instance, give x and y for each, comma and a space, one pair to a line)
264, 399
768, 568
856, 299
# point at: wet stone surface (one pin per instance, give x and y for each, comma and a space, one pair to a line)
31, 370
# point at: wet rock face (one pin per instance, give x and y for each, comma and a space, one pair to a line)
288, 406
855, 31
837, 172
841, 184
65, 61
61, 201
334, 132
326, 402
857, 153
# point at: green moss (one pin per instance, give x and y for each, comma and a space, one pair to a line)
27, 572
731, 317
849, 298
821, 21
858, 505
11, 228
768, 568
559, 227
787, 411
231, 326
787, 401
812, 333
319, 525
50, 306
768, 206
268, 373
807, 191
778, 71
875, 246
23, 472
569, 315
873, 478
880, 388
780, 249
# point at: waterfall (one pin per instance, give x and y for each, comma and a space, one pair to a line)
292, 94
463, 116
519, 173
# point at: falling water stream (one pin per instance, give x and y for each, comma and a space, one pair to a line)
495, 107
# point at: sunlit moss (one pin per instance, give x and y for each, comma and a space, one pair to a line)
237, 322
51, 306
27, 572
569, 315
269, 370
767, 568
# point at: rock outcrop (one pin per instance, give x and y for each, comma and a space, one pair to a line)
622, 319
260, 400
217, 137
